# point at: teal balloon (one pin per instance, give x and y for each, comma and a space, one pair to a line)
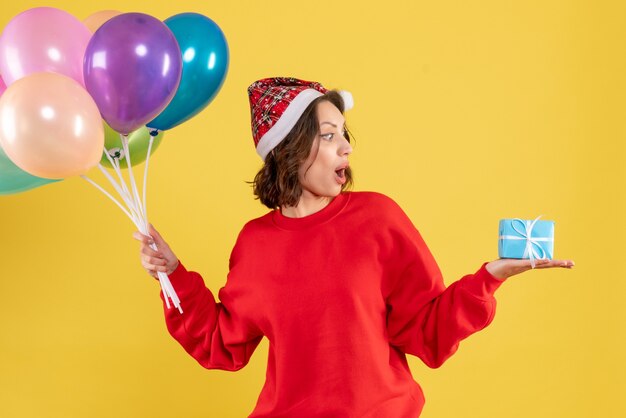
15, 180
205, 62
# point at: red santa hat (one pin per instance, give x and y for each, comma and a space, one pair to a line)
277, 103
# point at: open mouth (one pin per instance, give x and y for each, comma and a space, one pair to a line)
341, 175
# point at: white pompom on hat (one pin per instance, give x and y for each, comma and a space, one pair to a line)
277, 103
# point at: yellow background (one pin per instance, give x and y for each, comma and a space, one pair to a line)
465, 113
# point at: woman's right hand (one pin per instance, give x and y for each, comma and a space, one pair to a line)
153, 261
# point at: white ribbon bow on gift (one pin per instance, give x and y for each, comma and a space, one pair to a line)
526, 234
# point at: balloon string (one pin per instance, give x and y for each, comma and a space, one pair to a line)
123, 195
166, 285
136, 213
130, 173
118, 170
97, 186
169, 291
119, 190
162, 284
116, 167
145, 177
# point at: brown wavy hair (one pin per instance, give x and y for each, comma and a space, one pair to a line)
277, 184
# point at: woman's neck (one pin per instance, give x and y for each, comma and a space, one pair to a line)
307, 205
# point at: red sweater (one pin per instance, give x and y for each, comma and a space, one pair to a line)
341, 295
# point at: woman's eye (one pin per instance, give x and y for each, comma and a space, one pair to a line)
328, 137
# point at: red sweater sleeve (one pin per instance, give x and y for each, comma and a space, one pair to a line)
212, 333
424, 317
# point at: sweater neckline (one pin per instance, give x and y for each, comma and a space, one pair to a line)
327, 213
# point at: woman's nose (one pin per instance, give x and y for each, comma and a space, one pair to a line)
345, 148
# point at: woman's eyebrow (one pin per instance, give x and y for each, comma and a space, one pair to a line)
330, 123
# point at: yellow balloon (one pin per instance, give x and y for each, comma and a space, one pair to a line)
50, 126
94, 21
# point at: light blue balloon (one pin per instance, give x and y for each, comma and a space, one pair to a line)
205, 63
15, 180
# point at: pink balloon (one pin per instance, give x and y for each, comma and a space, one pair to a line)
43, 39
51, 127
3, 86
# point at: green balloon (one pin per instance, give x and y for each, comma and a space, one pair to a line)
137, 146
15, 180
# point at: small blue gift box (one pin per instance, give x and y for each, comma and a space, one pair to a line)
526, 239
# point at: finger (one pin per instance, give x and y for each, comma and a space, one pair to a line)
155, 261
537, 263
523, 263
155, 233
557, 263
143, 238
154, 267
526, 264
146, 250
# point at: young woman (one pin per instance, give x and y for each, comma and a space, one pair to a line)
341, 283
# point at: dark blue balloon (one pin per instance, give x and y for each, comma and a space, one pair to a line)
205, 63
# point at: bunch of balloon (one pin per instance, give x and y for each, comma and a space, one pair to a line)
86, 94
148, 76
50, 125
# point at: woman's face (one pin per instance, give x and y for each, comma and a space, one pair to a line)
323, 173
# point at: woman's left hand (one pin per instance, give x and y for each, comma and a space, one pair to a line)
504, 268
